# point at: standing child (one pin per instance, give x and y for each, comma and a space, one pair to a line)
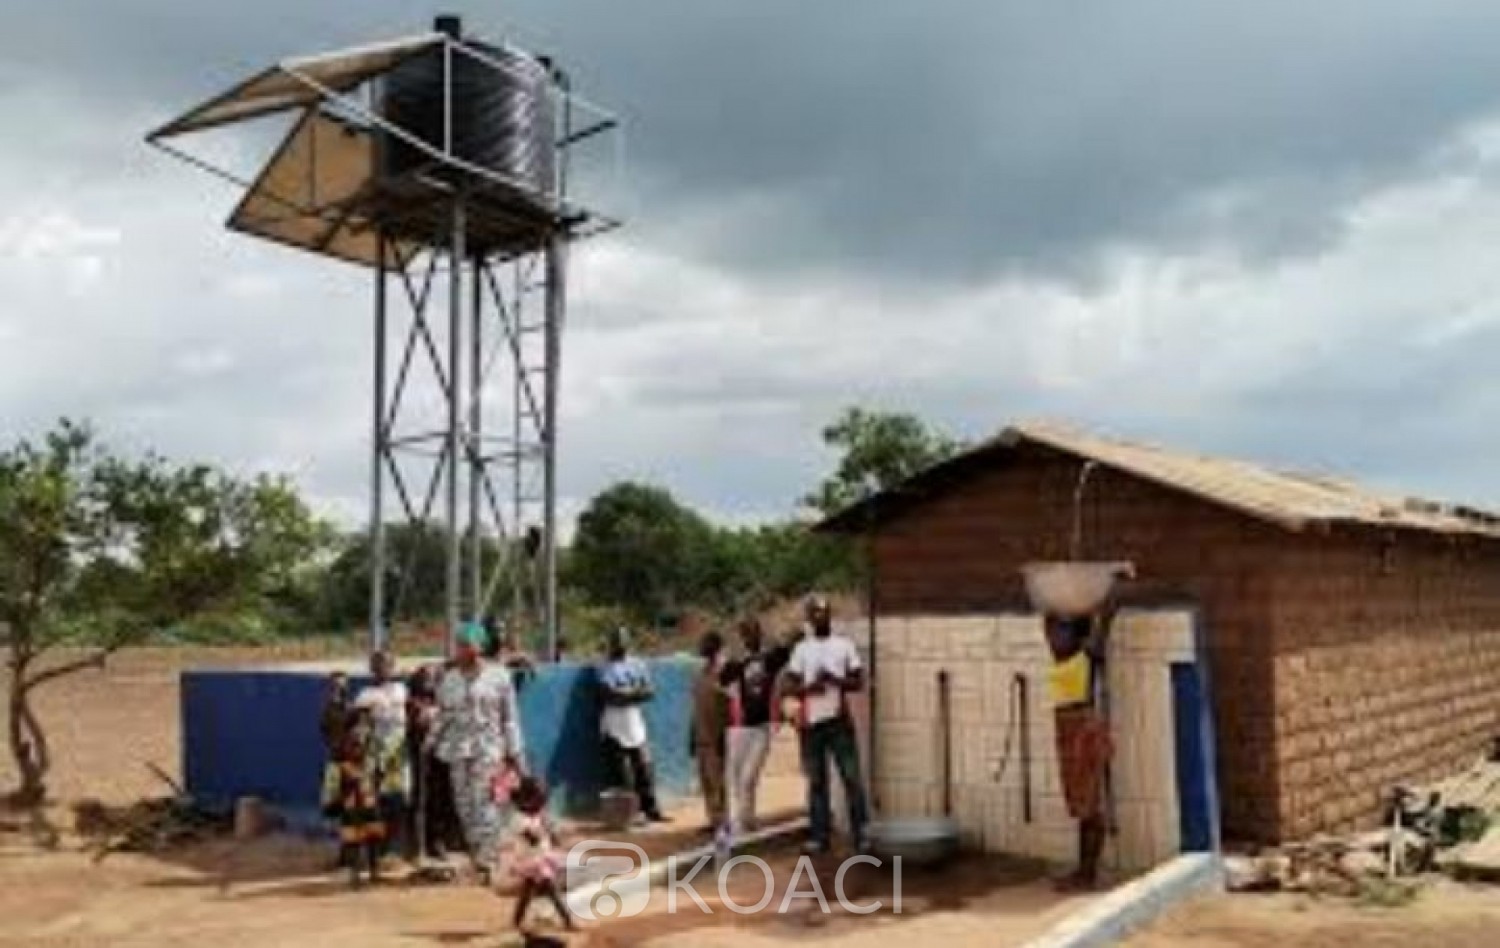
333, 722
351, 796
335, 714
537, 862
385, 701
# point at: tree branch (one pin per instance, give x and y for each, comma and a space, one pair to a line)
96, 660
21, 654
41, 750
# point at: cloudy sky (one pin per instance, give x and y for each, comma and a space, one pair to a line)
1264, 229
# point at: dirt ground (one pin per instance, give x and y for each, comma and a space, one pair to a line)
1445, 915
971, 902
106, 726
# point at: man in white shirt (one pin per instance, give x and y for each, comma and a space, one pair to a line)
624, 685
823, 669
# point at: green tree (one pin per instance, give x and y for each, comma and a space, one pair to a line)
415, 574
772, 561
790, 560
97, 552
637, 548
415, 570
879, 450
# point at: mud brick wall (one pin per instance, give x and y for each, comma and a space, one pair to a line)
1386, 669
961, 551
1338, 668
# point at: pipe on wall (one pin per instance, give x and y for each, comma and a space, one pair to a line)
1021, 693
945, 727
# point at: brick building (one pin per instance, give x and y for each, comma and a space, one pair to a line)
1353, 638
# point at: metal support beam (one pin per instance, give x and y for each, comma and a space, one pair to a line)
475, 452
490, 491
515, 556
455, 447
556, 304
378, 448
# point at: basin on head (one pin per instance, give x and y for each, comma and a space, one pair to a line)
1072, 588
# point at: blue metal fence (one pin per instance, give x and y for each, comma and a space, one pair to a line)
255, 733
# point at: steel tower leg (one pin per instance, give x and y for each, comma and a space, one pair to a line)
474, 453
514, 556
454, 447
556, 305
378, 449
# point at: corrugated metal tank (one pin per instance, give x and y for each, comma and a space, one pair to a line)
502, 115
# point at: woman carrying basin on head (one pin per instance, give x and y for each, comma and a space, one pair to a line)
1083, 742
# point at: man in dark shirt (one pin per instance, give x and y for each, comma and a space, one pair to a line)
750, 681
435, 826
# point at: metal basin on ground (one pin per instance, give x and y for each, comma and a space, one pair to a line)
919, 841
617, 809
1072, 588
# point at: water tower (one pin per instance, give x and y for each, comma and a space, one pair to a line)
439, 163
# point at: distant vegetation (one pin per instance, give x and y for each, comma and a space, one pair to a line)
99, 551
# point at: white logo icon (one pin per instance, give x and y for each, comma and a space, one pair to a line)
607, 879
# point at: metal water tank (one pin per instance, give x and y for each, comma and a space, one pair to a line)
502, 116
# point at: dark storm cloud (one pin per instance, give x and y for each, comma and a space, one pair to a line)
936, 140
971, 210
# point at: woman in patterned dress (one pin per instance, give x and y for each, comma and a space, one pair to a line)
478, 732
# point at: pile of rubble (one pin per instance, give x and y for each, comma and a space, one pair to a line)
147, 826
1452, 827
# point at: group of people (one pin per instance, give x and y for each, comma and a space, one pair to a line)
807, 681
436, 762
740, 697
742, 693
413, 763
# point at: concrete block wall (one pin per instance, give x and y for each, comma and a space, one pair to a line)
983, 655
1143, 647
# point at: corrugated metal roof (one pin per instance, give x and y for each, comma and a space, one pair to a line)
1289, 499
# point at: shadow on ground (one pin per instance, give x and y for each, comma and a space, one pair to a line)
963, 884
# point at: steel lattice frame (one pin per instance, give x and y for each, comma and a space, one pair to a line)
497, 348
